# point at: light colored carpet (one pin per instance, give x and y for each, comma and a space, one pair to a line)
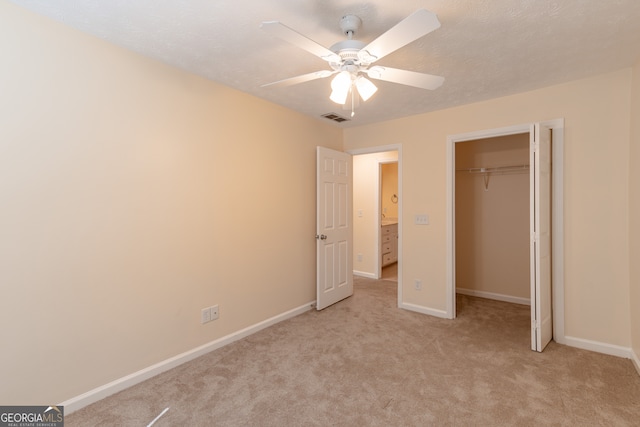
364, 362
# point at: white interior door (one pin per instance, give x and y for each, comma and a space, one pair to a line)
540, 226
334, 230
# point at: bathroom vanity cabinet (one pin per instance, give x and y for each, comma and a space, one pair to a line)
389, 244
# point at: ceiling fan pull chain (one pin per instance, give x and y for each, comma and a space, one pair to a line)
353, 113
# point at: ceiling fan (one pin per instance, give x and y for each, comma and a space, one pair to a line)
352, 60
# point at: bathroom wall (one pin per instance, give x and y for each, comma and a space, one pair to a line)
389, 194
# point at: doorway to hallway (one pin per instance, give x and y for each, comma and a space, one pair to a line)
377, 222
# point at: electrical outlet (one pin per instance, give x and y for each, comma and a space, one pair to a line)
418, 285
205, 315
359, 257
215, 312
422, 219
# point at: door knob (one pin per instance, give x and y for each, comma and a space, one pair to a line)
321, 237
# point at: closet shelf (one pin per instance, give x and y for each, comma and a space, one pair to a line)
497, 169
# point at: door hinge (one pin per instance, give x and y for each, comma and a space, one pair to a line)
535, 325
535, 236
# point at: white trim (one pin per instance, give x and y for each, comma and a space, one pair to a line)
400, 223
636, 361
494, 296
557, 226
365, 274
98, 393
450, 275
491, 133
383, 149
378, 231
424, 310
599, 347
377, 149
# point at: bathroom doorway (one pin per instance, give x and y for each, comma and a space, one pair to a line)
389, 220
369, 206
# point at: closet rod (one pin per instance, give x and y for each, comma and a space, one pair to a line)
498, 170
511, 168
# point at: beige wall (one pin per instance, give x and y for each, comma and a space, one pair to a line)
133, 195
634, 213
597, 119
492, 217
365, 186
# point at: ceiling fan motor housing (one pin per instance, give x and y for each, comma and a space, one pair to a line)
349, 24
348, 49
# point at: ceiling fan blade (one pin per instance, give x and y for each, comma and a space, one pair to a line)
301, 79
416, 25
405, 77
287, 34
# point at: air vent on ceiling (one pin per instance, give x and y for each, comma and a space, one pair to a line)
335, 117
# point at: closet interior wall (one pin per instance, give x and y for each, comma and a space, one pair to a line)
492, 217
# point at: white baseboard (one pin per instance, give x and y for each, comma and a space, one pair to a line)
424, 310
636, 360
599, 347
494, 296
364, 274
79, 402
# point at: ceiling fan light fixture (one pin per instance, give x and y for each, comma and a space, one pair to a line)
366, 88
340, 85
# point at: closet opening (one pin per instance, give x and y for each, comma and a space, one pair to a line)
492, 218
505, 221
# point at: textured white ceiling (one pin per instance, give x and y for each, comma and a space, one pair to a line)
484, 49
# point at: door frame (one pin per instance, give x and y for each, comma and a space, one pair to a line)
382, 149
379, 216
557, 214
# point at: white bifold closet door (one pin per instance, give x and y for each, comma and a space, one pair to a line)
540, 227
